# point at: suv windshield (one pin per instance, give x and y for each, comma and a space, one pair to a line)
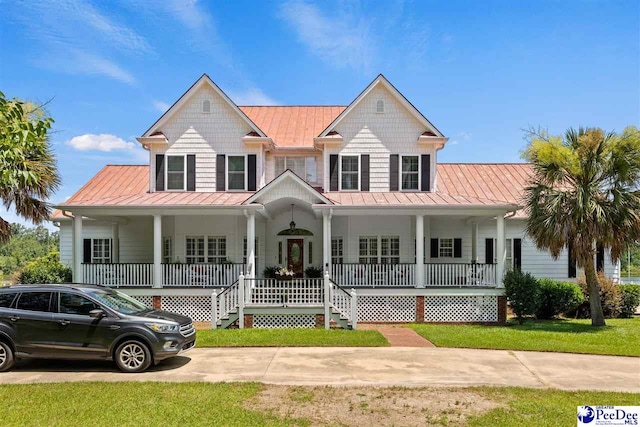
118, 301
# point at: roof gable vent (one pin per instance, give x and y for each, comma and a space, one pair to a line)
380, 106
206, 106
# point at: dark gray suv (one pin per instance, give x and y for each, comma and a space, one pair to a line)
87, 322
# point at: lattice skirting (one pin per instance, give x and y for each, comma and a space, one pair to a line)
386, 309
144, 299
198, 308
461, 309
275, 321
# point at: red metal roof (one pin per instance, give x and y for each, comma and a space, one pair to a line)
293, 126
399, 198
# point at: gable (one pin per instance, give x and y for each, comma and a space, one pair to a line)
287, 185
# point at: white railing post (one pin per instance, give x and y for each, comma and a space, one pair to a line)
327, 301
241, 301
214, 310
354, 309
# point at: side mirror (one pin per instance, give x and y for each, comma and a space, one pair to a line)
97, 313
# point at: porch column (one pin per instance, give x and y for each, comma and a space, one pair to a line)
77, 249
251, 245
474, 242
115, 237
157, 251
501, 253
419, 273
326, 241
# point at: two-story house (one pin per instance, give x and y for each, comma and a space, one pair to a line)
348, 190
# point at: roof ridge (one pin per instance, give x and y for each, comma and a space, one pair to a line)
484, 163
138, 165
294, 105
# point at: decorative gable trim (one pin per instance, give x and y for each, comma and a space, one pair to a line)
288, 174
396, 93
203, 80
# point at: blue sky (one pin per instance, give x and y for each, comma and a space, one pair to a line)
480, 71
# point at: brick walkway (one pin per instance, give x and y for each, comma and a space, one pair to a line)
402, 337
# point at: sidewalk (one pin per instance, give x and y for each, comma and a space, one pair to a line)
398, 366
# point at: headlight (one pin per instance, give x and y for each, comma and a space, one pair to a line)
163, 327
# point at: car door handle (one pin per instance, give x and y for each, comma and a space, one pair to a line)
63, 322
14, 318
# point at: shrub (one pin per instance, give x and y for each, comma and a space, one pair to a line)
522, 293
313, 272
630, 295
610, 297
270, 272
47, 269
557, 298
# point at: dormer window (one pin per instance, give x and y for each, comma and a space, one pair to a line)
206, 106
176, 173
410, 173
380, 106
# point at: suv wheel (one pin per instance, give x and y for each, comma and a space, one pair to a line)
6, 357
132, 356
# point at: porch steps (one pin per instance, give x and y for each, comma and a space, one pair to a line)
232, 318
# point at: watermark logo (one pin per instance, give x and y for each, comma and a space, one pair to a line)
589, 416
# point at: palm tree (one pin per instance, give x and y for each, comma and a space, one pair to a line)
584, 190
28, 174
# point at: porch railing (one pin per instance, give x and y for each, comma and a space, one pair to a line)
461, 275
116, 275
227, 301
290, 292
200, 275
350, 275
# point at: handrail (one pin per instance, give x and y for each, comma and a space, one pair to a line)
341, 300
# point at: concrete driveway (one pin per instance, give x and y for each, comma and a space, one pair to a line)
415, 367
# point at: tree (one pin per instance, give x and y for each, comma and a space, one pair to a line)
28, 174
584, 191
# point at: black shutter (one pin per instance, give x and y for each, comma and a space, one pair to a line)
488, 251
457, 248
159, 172
86, 251
600, 258
393, 172
571, 260
517, 254
221, 173
191, 172
333, 172
434, 248
251, 173
364, 172
426, 172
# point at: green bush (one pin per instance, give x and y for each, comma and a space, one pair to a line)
313, 272
557, 298
46, 269
630, 299
523, 293
610, 298
270, 272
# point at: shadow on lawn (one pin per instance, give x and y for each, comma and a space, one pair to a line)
557, 325
82, 366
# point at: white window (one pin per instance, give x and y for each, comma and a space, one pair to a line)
445, 248
216, 250
206, 106
167, 249
304, 167
255, 254
101, 251
380, 106
390, 250
195, 250
508, 263
337, 251
410, 172
175, 172
236, 173
368, 250
350, 172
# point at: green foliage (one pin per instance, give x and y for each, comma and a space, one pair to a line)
313, 272
557, 298
25, 245
630, 295
522, 292
270, 272
634, 251
610, 298
28, 174
47, 269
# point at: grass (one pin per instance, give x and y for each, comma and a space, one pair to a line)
228, 404
289, 338
620, 337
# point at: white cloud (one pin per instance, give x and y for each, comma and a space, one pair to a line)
87, 63
102, 142
461, 136
161, 106
189, 13
252, 96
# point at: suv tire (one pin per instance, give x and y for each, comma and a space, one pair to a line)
7, 359
132, 356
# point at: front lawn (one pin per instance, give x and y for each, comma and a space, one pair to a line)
251, 404
289, 338
620, 337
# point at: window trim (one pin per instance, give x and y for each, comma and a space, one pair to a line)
108, 258
337, 256
217, 239
340, 156
400, 183
388, 256
302, 156
184, 172
508, 246
186, 248
440, 239
226, 171
166, 239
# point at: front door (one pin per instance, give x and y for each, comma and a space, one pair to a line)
295, 256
